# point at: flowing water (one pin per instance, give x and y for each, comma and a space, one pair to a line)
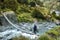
9, 31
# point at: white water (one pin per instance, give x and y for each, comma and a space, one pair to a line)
24, 29
16, 26
11, 32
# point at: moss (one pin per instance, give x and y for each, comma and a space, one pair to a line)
22, 6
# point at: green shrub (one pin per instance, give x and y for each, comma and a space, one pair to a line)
58, 17
37, 14
25, 17
32, 4
53, 33
45, 37
11, 4
55, 16
20, 38
25, 9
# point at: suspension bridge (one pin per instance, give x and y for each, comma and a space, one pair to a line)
22, 29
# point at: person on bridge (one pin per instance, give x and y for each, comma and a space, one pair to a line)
35, 29
0, 22
35, 26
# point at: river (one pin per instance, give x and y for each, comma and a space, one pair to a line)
26, 29
9, 31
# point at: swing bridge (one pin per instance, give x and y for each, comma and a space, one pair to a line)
27, 30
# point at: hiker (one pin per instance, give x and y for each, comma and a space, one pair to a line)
35, 29
0, 23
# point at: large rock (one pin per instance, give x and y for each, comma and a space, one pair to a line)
11, 16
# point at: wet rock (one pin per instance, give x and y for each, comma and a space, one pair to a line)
1, 37
10, 39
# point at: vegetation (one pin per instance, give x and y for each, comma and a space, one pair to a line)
28, 10
25, 17
20, 38
53, 34
54, 15
37, 14
24, 7
45, 37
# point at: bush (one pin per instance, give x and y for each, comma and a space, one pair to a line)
54, 15
20, 38
58, 17
53, 33
45, 37
25, 17
37, 14
32, 4
25, 9
11, 4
